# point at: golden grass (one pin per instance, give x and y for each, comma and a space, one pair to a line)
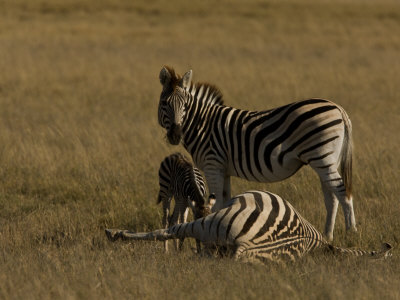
80, 145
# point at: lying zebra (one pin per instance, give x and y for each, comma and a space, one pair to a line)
180, 180
254, 226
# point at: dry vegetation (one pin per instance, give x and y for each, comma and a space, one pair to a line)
80, 145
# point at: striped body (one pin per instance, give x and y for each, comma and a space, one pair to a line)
264, 146
255, 225
178, 179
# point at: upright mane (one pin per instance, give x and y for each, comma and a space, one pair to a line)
214, 93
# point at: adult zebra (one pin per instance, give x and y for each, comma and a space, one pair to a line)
180, 180
254, 226
264, 146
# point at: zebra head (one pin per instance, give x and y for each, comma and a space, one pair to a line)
201, 210
172, 106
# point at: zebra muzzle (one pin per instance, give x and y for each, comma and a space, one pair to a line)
174, 134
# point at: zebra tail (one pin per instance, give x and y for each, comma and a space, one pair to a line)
346, 161
383, 253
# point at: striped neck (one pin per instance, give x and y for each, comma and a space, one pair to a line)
205, 92
202, 100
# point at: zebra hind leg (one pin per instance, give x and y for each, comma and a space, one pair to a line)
331, 205
243, 254
335, 190
383, 253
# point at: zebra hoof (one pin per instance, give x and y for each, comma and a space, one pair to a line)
113, 234
352, 229
329, 237
386, 249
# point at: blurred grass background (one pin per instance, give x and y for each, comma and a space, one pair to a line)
80, 145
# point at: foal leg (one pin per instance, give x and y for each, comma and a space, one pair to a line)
174, 220
165, 223
182, 219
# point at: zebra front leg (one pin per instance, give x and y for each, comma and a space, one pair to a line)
226, 193
215, 180
182, 219
157, 235
173, 220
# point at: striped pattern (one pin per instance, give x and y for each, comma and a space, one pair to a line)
264, 146
255, 226
178, 179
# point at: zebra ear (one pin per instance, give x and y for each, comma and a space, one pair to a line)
165, 76
186, 79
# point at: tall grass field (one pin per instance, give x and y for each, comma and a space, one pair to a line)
80, 144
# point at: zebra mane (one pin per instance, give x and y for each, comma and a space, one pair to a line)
215, 94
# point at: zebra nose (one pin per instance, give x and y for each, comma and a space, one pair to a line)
174, 134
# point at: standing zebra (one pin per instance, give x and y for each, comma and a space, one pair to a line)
179, 179
264, 146
254, 226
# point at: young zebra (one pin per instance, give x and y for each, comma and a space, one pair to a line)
254, 226
264, 146
180, 180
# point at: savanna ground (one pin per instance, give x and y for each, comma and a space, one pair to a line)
80, 145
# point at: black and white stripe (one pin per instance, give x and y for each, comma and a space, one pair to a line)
254, 226
264, 146
180, 180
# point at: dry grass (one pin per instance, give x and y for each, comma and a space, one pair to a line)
80, 144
